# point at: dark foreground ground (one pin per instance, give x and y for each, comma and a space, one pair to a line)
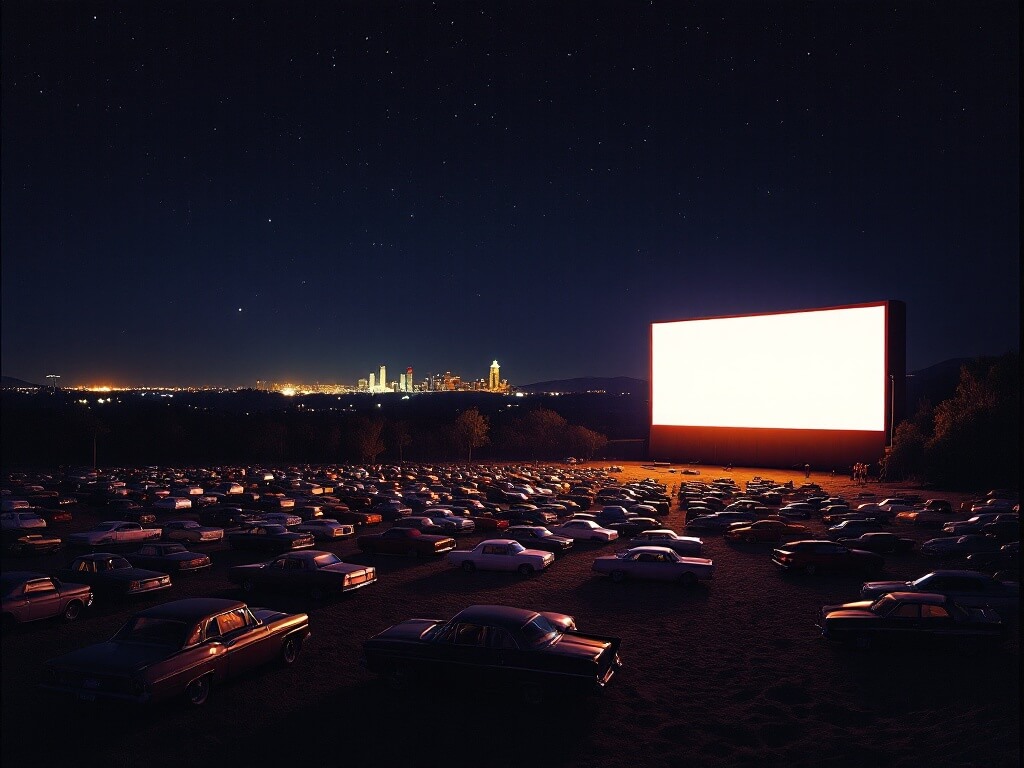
732, 673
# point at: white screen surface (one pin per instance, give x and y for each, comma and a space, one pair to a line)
822, 369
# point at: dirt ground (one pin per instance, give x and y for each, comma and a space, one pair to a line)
729, 673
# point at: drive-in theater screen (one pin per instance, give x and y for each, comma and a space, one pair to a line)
814, 386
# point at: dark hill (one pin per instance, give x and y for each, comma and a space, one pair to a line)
9, 382
618, 385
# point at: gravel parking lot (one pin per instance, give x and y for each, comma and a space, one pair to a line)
727, 673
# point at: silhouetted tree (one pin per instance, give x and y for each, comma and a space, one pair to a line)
368, 442
544, 432
401, 437
585, 442
470, 430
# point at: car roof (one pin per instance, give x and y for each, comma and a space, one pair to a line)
652, 549
191, 609
497, 615
13, 577
498, 541
920, 597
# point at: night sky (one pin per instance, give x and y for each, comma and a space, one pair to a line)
220, 193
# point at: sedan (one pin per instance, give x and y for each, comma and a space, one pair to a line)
405, 541
108, 573
657, 563
811, 556
688, 546
912, 618
586, 530
29, 596
326, 528
852, 528
191, 531
17, 543
114, 532
882, 543
318, 573
501, 555
21, 520
952, 547
539, 537
275, 538
766, 531
968, 588
178, 649
168, 557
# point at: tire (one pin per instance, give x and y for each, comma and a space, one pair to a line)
72, 610
526, 570
198, 691
248, 586
618, 576
290, 650
468, 566
688, 580
810, 569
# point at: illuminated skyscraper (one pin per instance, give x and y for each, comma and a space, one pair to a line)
408, 378
383, 377
373, 382
494, 382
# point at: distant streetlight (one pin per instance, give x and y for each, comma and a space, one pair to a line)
53, 377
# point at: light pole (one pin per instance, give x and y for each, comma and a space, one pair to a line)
53, 380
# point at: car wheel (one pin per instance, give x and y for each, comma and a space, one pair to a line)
810, 569
198, 691
526, 570
468, 566
248, 585
290, 650
618, 576
688, 579
72, 610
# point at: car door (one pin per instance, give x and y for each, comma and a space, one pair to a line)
248, 644
44, 599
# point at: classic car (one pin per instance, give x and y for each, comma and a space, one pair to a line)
108, 573
973, 524
113, 532
912, 618
344, 514
501, 555
16, 542
449, 521
227, 516
21, 519
798, 510
718, 521
657, 563
532, 651
191, 531
319, 573
29, 596
178, 649
969, 588
688, 546
169, 557
880, 542
632, 526
489, 523
267, 537
956, 547
280, 518
326, 528
405, 541
811, 556
766, 531
538, 537
584, 530
1006, 558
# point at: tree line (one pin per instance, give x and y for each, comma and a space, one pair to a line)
969, 441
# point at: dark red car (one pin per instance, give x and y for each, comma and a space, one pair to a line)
405, 541
812, 556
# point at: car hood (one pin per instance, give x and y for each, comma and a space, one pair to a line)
578, 646
111, 658
411, 629
857, 610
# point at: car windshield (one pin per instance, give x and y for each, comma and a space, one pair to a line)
539, 631
105, 527
151, 631
328, 558
883, 605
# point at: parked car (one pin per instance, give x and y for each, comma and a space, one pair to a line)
529, 650
30, 596
115, 532
688, 546
812, 556
17, 542
880, 542
326, 528
313, 571
538, 537
287, 519
657, 563
968, 588
973, 524
450, 522
1006, 559
766, 531
912, 618
584, 530
169, 557
718, 521
178, 649
633, 526
21, 520
957, 547
400, 540
192, 532
501, 555
272, 538
848, 529
227, 517
799, 510
112, 574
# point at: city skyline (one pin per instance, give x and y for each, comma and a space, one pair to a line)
225, 193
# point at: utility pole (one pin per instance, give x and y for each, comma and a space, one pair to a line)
53, 380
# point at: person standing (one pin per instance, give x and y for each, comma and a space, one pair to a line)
807, 470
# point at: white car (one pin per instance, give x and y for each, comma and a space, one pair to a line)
173, 503
657, 563
21, 520
586, 530
501, 555
114, 532
191, 531
681, 545
326, 528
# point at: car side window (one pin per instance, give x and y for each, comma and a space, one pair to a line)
500, 638
470, 634
934, 612
907, 611
232, 621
